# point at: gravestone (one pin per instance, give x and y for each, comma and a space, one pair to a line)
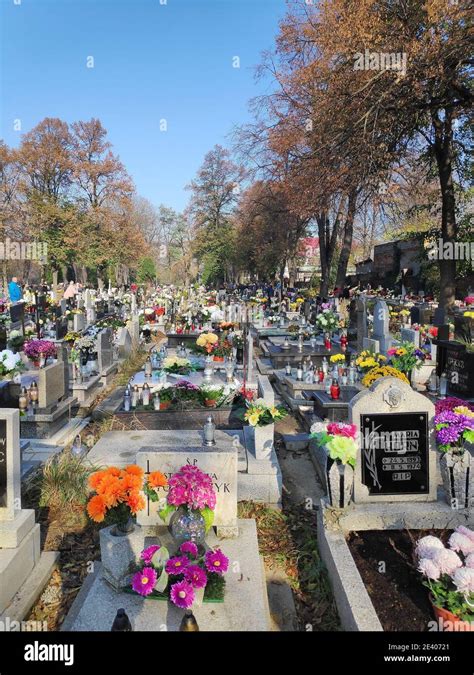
63, 306
19, 535
61, 328
459, 366
17, 312
410, 335
63, 358
371, 345
105, 350
50, 385
87, 299
381, 331
134, 328
396, 459
362, 331
10, 464
219, 461
124, 343
79, 322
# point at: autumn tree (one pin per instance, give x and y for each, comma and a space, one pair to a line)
214, 193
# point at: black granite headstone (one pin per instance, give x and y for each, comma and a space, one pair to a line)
396, 453
17, 312
459, 367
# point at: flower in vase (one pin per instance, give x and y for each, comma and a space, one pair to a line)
182, 594
96, 508
196, 576
144, 582
189, 547
216, 561
176, 565
148, 553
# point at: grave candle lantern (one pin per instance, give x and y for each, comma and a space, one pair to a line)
146, 394
33, 392
156, 401
209, 431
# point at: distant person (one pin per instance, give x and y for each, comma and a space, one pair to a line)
14, 290
70, 291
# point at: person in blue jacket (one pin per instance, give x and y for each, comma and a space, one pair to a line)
14, 290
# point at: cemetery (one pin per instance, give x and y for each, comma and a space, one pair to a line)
236, 331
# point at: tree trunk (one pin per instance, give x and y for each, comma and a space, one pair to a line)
346, 240
443, 149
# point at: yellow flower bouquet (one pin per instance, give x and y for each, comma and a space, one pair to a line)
259, 414
368, 360
337, 358
383, 371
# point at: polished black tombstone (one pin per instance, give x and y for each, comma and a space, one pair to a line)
396, 451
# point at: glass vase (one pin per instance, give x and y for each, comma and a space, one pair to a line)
187, 525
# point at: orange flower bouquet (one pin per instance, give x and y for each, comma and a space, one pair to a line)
118, 496
155, 480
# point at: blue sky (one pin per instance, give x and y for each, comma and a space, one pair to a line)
152, 62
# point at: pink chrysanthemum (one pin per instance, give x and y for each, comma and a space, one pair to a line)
429, 569
144, 582
148, 553
469, 562
182, 594
426, 547
447, 561
176, 565
342, 429
216, 561
466, 532
196, 576
189, 547
459, 542
464, 580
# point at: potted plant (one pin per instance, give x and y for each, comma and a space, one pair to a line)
16, 340
37, 349
191, 500
261, 419
210, 395
448, 573
166, 397
336, 443
383, 371
454, 424
222, 349
118, 496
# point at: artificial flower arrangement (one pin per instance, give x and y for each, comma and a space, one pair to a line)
454, 424
118, 494
368, 360
327, 321
383, 371
406, 357
184, 578
222, 348
206, 343
177, 365
337, 358
339, 439
34, 349
192, 490
16, 340
10, 363
226, 325
469, 300
85, 342
449, 573
259, 414
72, 336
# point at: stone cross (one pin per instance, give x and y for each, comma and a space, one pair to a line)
249, 373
